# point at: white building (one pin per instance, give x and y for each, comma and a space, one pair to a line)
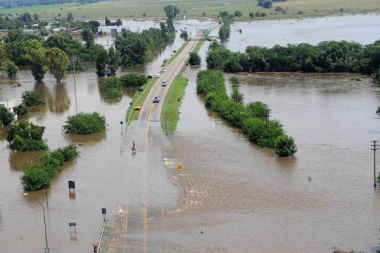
112, 30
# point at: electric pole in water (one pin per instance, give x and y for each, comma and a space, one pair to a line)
374, 148
267, 117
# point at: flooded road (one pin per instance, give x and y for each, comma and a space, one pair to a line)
230, 196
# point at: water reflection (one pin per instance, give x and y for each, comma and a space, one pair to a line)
62, 100
20, 160
87, 139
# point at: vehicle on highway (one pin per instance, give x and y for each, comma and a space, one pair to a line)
156, 99
158, 75
163, 84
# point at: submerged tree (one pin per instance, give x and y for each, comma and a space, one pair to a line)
37, 60
285, 146
194, 59
85, 123
6, 117
26, 137
58, 63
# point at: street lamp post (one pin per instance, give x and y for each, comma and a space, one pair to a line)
46, 240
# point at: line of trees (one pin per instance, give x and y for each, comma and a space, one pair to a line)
325, 57
252, 119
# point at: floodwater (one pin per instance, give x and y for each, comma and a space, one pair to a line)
230, 196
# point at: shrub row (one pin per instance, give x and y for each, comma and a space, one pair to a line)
38, 176
251, 118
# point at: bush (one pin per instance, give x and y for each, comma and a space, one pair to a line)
194, 59
258, 109
31, 98
21, 109
285, 146
133, 80
38, 176
26, 137
85, 123
6, 117
112, 88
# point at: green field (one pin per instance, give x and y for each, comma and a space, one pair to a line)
149, 9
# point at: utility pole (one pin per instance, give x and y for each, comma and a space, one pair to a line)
46, 240
374, 148
267, 118
75, 87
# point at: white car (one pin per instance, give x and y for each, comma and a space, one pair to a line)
158, 75
163, 84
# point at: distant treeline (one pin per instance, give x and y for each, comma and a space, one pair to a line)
17, 3
325, 57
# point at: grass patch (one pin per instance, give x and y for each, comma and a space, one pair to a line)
176, 54
199, 9
139, 99
172, 102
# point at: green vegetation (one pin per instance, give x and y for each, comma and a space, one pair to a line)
172, 102
37, 176
26, 137
21, 109
31, 98
285, 146
326, 57
198, 9
194, 59
58, 61
133, 80
249, 118
6, 117
112, 88
85, 123
37, 60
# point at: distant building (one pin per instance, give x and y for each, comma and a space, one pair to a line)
3, 33
112, 30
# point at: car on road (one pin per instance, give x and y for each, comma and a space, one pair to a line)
156, 99
163, 83
158, 75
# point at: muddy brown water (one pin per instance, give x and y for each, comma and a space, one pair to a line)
230, 196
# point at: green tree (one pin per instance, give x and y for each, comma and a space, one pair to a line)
171, 12
194, 59
58, 63
184, 35
9, 67
133, 80
237, 96
31, 98
224, 32
101, 63
85, 123
94, 25
112, 88
6, 117
88, 37
37, 60
285, 146
26, 137
70, 17
113, 61
21, 109
238, 14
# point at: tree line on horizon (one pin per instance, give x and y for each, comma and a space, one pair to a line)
325, 57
